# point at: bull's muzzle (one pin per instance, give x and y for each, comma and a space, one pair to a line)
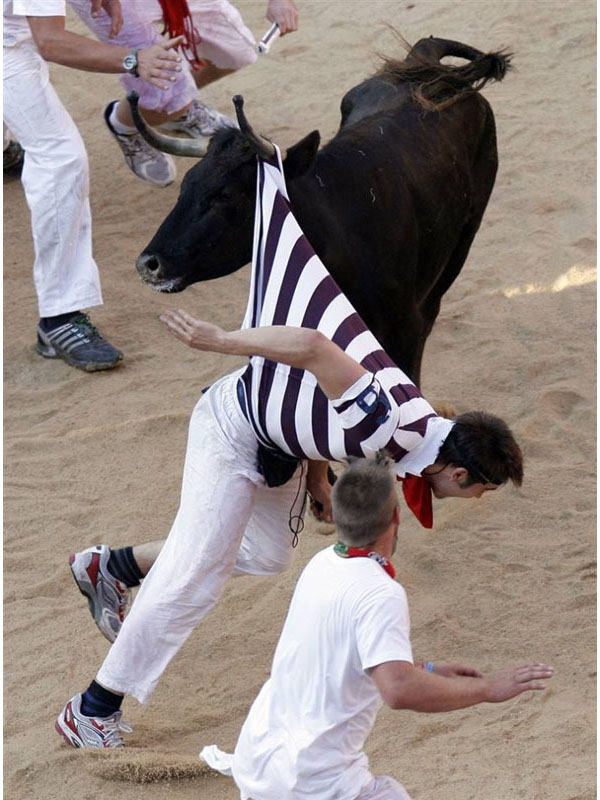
152, 270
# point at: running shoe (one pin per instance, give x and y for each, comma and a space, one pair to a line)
199, 121
147, 163
13, 158
78, 343
81, 731
107, 597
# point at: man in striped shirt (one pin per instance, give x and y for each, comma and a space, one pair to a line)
318, 386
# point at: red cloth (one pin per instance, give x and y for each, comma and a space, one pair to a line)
417, 494
359, 552
178, 22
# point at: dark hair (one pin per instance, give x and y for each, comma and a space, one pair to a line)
484, 445
364, 498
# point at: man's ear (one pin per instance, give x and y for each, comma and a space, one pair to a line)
301, 155
459, 474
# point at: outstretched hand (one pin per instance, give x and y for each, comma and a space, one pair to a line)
511, 681
157, 63
193, 332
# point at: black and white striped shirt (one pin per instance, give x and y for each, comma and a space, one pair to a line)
285, 406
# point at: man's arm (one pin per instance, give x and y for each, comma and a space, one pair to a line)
155, 63
403, 685
299, 347
454, 669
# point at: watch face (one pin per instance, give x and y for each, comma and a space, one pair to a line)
130, 61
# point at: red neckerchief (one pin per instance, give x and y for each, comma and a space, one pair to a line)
178, 21
358, 552
417, 494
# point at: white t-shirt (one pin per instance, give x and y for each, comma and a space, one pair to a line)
15, 26
305, 733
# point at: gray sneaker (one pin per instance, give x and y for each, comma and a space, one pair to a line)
81, 731
107, 597
199, 121
13, 158
147, 163
78, 343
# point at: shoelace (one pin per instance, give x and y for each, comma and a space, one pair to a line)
134, 145
200, 115
83, 319
123, 600
90, 333
113, 727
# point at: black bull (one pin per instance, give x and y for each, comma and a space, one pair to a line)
391, 204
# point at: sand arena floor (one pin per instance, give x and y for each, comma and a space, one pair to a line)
98, 458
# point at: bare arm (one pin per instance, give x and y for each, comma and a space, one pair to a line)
299, 347
454, 669
403, 685
155, 64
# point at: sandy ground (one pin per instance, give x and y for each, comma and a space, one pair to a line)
93, 458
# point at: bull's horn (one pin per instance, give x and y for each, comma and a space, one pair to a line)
194, 148
263, 147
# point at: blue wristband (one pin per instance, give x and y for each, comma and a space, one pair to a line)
429, 666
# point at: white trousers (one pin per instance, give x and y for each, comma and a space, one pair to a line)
228, 522
383, 788
55, 178
378, 788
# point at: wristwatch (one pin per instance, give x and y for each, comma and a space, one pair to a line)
130, 63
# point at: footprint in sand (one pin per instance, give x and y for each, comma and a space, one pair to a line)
559, 402
588, 571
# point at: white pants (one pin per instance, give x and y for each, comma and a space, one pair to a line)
383, 788
56, 182
228, 522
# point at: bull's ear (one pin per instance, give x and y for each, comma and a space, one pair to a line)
301, 155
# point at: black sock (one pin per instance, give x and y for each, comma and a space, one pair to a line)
123, 566
97, 701
48, 323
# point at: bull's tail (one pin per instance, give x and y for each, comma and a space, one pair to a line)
438, 85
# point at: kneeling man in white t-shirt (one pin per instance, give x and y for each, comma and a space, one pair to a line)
344, 650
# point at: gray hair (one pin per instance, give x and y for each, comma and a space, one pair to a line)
364, 498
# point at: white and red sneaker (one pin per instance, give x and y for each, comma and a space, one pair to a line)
81, 731
107, 597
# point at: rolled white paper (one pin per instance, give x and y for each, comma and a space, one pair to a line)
267, 40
